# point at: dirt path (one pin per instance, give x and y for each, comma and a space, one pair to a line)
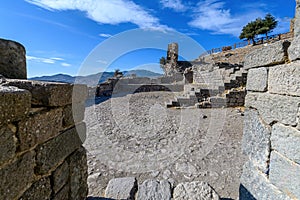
136, 135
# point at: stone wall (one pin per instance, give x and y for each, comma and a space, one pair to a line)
272, 127
41, 136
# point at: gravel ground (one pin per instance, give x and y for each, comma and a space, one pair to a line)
135, 135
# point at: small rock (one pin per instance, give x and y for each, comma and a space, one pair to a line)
152, 190
121, 188
195, 191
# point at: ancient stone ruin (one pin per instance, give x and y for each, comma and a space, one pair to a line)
41, 133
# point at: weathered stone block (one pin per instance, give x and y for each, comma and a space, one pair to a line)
255, 185
39, 128
285, 79
272, 54
16, 176
13, 60
274, 108
51, 94
286, 140
285, 175
195, 190
14, 104
78, 175
152, 189
121, 188
60, 177
63, 194
53, 152
73, 114
294, 50
8, 142
39, 190
257, 79
256, 140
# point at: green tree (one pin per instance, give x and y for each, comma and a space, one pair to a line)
269, 24
249, 31
162, 62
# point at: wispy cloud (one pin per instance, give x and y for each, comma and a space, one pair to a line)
105, 35
212, 15
41, 60
66, 64
176, 5
106, 12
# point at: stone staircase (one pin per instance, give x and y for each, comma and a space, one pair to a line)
213, 93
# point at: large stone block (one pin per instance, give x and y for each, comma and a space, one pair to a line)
257, 79
39, 128
286, 140
275, 108
285, 175
121, 188
294, 50
17, 176
14, 104
63, 194
53, 152
73, 114
255, 185
272, 54
297, 19
51, 94
38, 191
256, 140
195, 190
60, 177
78, 175
8, 142
285, 79
12, 59
152, 189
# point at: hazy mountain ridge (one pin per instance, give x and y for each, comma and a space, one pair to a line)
93, 79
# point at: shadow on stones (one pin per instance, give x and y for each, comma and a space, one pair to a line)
245, 194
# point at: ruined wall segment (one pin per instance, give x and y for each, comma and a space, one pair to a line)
272, 126
12, 59
41, 136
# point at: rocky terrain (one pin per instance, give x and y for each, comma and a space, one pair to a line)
137, 136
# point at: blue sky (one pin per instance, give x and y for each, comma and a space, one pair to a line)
64, 36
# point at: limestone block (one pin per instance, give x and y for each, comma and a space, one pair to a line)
51, 94
256, 140
53, 152
285, 79
270, 55
297, 19
121, 188
285, 175
255, 185
16, 176
73, 114
39, 190
12, 59
286, 140
39, 128
274, 108
8, 142
78, 174
195, 190
294, 50
60, 177
152, 189
14, 104
257, 79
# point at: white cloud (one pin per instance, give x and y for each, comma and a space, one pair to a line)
65, 64
213, 16
102, 62
39, 59
105, 35
176, 5
106, 11
57, 58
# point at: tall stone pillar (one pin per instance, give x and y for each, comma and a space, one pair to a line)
172, 58
297, 19
12, 60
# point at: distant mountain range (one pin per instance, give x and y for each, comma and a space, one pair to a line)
94, 79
